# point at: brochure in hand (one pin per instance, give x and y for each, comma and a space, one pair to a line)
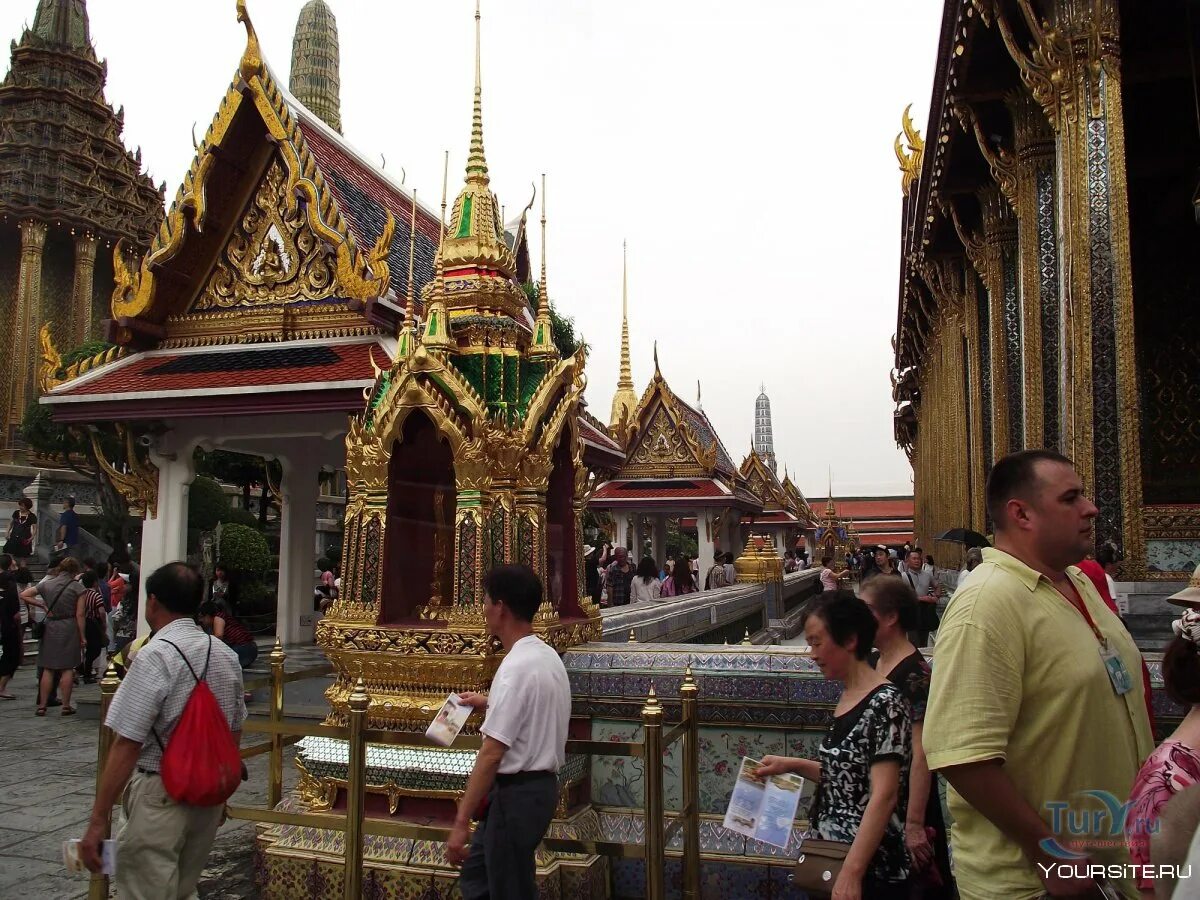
449, 721
763, 808
74, 863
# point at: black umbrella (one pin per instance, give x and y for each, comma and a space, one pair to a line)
964, 536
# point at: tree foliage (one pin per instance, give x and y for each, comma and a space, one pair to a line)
207, 504
562, 326
244, 550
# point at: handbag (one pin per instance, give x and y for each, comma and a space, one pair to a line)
819, 865
38, 629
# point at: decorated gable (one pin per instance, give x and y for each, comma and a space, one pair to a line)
663, 448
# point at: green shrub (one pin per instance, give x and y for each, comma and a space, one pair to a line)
239, 516
244, 550
207, 504
254, 598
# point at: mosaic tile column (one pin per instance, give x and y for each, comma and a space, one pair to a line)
1004, 320
1101, 408
1037, 238
25, 359
81, 294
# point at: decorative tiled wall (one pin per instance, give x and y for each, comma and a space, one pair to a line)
1172, 556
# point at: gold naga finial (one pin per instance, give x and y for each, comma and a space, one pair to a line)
657, 371
48, 377
252, 61
910, 161
543, 328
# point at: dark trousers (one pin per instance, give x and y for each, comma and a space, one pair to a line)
95, 636
500, 864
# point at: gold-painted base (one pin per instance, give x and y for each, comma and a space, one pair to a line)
296, 862
409, 669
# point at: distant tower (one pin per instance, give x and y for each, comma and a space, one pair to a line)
315, 79
70, 192
764, 443
625, 401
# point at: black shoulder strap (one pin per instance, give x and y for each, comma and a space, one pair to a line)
198, 678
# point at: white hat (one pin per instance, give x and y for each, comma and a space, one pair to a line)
588, 549
1190, 595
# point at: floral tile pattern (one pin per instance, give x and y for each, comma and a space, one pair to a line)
721, 753
1172, 556
619, 780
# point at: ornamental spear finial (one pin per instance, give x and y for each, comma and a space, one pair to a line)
543, 328
476, 163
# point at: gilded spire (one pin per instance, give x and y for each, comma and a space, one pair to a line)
315, 79
476, 254
64, 24
477, 170
436, 329
625, 401
543, 328
407, 330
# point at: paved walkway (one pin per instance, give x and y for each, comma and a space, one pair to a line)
47, 782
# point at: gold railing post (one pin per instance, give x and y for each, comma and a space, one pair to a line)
688, 693
652, 719
275, 776
356, 776
98, 886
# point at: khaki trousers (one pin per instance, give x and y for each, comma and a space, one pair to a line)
162, 846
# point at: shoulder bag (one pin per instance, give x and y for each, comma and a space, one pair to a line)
38, 629
820, 862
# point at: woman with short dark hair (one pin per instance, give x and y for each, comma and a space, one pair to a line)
863, 757
61, 595
22, 532
894, 604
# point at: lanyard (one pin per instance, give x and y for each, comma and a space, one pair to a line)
1083, 610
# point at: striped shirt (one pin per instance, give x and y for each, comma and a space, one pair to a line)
158, 686
93, 604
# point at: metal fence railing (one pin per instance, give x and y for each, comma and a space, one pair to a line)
282, 732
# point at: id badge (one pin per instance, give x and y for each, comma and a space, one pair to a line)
1121, 680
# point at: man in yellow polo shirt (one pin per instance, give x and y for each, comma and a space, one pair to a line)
1036, 714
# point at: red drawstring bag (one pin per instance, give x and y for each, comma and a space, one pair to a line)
201, 765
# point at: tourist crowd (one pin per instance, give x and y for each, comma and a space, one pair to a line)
615, 580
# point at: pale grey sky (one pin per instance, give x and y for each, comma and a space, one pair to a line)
743, 149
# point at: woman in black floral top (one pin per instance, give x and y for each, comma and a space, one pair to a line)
894, 605
863, 756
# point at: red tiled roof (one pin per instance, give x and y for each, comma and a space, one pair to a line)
870, 507
646, 489
590, 432
209, 369
901, 538
365, 196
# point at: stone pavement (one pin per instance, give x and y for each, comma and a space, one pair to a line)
47, 782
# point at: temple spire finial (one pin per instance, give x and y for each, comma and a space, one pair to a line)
476, 162
408, 329
63, 23
543, 328
625, 401
435, 331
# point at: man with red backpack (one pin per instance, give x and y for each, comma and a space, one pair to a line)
177, 719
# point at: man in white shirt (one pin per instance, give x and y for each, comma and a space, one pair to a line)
913, 571
524, 746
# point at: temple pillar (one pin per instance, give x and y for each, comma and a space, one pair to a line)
1004, 319
1073, 71
164, 535
1037, 236
24, 361
658, 543
621, 521
81, 293
705, 532
298, 522
469, 534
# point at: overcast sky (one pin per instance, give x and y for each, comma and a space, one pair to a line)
743, 149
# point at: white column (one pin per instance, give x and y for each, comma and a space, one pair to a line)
659, 539
164, 537
622, 519
704, 542
298, 522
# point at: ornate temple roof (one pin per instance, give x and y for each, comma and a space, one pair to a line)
315, 76
61, 156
